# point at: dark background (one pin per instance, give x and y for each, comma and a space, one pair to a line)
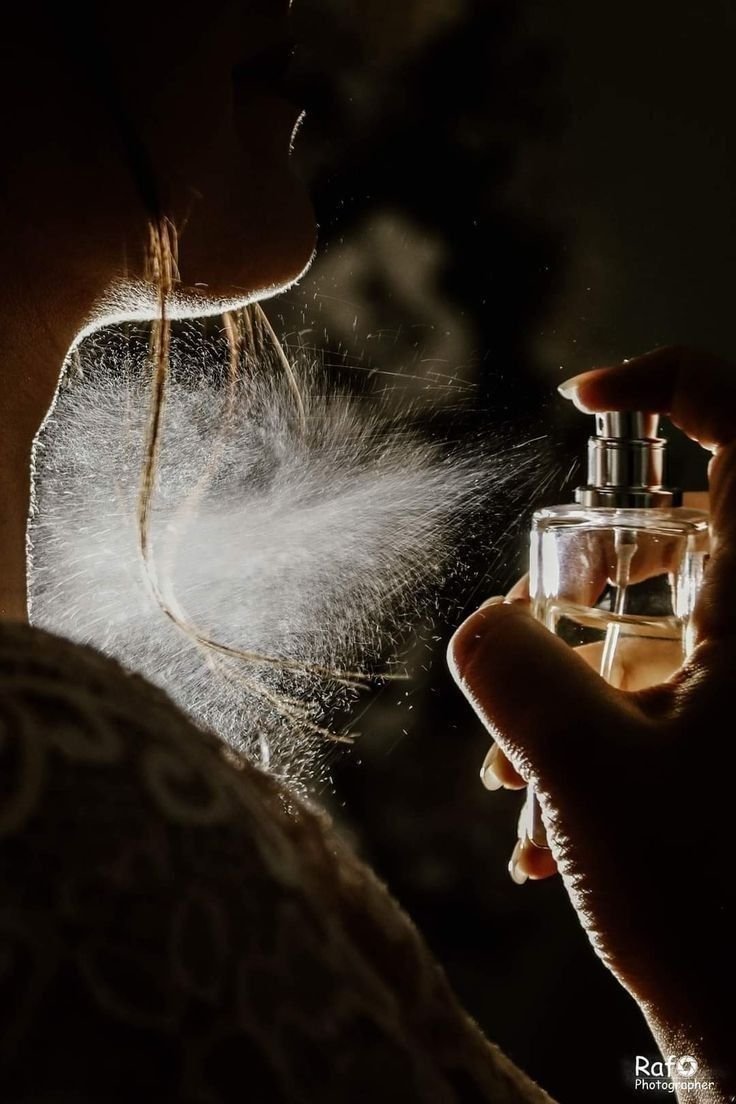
508, 194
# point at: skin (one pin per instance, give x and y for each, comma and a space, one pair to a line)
75, 219
637, 818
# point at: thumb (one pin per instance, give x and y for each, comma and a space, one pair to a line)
552, 715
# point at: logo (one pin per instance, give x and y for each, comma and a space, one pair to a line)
686, 1066
670, 1074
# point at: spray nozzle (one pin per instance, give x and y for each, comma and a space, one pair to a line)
626, 463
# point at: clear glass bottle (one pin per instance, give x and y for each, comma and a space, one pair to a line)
616, 575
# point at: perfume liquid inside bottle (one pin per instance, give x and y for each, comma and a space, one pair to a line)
620, 584
617, 574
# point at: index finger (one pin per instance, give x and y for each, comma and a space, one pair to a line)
696, 390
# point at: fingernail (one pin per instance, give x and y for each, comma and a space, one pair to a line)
569, 388
517, 874
488, 775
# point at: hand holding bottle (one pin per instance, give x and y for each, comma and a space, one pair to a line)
636, 785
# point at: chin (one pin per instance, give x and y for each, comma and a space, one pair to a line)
240, 271
138, 300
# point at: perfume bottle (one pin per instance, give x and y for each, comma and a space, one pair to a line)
617, 573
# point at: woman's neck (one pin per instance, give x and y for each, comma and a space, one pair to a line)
39, 318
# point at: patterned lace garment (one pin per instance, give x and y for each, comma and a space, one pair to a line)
176, 927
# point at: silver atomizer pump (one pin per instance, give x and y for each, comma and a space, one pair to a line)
627, 464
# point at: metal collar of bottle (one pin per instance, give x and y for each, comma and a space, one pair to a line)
626, 463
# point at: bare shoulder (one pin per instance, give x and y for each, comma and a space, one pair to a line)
175, 917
